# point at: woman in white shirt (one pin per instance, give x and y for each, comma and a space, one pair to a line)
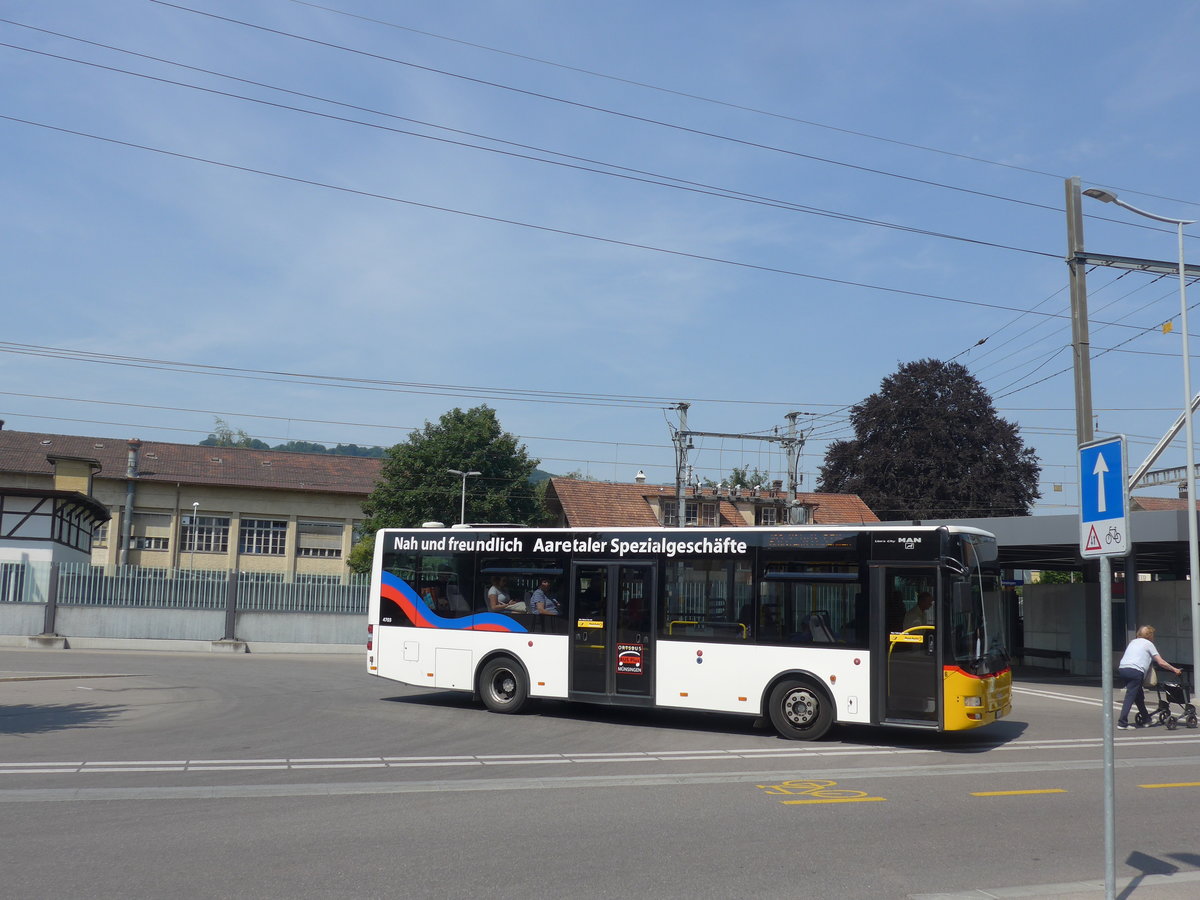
498, 599
1139, 656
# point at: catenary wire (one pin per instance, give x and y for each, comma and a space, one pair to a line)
725, 103
652, 178
775, 270
621, 114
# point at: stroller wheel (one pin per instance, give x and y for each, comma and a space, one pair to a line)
1142, 719
1164, 717
1172, 723
1191, 721
1189, 710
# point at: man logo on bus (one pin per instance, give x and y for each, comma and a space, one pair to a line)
910, 542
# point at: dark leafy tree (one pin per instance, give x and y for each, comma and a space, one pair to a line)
415, 485
355, 450
930, 445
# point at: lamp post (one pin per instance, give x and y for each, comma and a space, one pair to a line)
1193, 542
462, 514
195, 533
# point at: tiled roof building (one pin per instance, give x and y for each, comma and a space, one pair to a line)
598, 504
287, 515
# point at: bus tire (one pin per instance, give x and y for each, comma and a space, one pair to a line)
503, 685
800, 710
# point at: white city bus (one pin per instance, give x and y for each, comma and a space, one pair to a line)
809, 625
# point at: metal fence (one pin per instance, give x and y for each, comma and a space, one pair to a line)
322, 596
81, 584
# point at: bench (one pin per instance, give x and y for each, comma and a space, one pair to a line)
1063, 656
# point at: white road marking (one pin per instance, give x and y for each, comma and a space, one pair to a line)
96, 767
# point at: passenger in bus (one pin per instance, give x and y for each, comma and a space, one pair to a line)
541, 602
920, 613
498, 599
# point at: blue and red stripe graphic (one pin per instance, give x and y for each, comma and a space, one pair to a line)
410, 602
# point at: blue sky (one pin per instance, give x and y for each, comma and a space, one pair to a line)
756, 208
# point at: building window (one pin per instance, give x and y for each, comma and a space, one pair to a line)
697, 513
151, 543
263, 537
205, 534
322, 540
320, 552
100, 535
768, 515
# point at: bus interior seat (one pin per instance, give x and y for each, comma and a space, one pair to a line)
818, 625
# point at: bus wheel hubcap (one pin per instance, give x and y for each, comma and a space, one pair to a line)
504, 685
800, 708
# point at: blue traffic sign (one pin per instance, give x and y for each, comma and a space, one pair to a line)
1103, 499
1102, 481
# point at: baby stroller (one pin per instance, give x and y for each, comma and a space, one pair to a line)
1173, 690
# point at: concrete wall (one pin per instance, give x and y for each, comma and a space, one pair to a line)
129, 622
1067, 617
1166, 606
302, 628
1063, 617
185, 629
22, 618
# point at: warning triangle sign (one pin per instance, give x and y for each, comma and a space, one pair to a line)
1093, 540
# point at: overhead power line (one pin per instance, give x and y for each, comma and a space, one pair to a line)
625, 173
714, 101
775, 270
609, 111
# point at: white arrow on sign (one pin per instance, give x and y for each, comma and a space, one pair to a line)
1100, 471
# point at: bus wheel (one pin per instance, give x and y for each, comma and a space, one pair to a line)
800, 711
502, 685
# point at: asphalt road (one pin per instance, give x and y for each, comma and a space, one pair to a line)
126, 774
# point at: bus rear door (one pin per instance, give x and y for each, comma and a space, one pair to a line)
611, 613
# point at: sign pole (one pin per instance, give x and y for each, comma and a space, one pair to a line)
1106, 682
1104, 519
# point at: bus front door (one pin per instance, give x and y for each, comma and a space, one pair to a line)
611, 630
909, 676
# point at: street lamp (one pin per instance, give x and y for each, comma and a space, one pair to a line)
462, 515
1193, 542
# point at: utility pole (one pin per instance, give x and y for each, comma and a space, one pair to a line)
792, 443
683, 443
1080, 343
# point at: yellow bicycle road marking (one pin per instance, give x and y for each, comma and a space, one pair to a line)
1015, 793
1175, 784
833, 800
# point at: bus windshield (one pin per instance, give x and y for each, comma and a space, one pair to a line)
979, 623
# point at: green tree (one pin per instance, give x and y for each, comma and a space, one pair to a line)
1047, 577
355, 450
744, 477
930, 445
224, 436
415, 485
